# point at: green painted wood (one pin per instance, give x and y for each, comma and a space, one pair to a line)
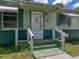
47, 34
7, 38
72, 35
22, 34
20, 18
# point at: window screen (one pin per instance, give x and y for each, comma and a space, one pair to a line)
9, 19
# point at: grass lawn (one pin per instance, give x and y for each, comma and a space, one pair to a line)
72, 48
11, 53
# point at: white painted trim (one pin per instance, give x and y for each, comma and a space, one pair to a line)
53, 34
22, 40
8, 28
2, 20
4, 29
17, 20
57, 39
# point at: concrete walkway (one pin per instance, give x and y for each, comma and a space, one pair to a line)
62, 56
76, 57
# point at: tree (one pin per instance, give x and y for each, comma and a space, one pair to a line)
59, 5
77, 8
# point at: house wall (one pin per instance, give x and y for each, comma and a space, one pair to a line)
7, 37
26, 20
74, 24
74, 21
49, 20
73, 29
51, 23
51, 17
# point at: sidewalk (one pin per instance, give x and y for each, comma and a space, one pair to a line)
62, 56
76, 57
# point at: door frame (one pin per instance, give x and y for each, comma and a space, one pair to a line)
31, 19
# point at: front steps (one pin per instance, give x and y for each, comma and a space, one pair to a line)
44, 48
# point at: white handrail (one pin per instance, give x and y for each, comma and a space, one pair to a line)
30, 33
30, 41
61, 32
63, 35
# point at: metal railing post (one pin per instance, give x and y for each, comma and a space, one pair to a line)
27, 35
53, 34
63, 35
63, 41
30, 40
31, 48
16, 38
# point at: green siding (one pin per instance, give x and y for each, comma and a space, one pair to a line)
47, 34
7, 38
73, 34
57, 35
20, 18
22, 35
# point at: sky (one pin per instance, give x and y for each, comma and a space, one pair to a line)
70, 4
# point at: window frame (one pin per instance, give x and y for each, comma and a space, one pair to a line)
3, 27
62, 20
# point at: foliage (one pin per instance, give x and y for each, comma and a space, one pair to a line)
11, 53
59, 5
77, 8
72, 48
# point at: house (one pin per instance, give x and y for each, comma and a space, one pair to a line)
40, 17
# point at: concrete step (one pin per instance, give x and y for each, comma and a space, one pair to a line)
42, 42
47, 52
43, 48
47, 46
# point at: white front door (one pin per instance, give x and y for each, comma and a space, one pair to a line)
37, 24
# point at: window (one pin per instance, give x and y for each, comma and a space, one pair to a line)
64, 19
9, 19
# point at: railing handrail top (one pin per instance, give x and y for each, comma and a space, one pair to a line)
60, 31
30, 32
